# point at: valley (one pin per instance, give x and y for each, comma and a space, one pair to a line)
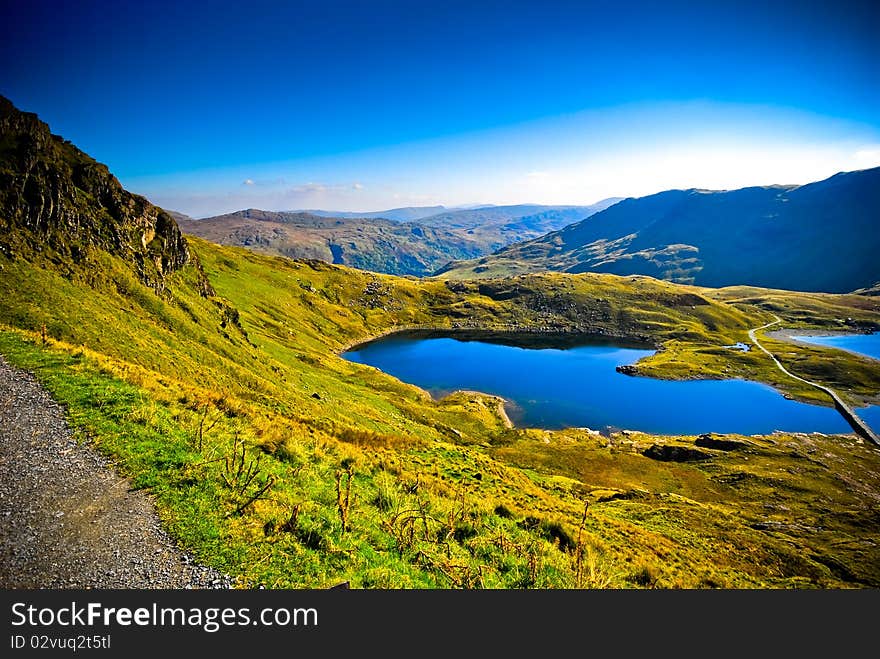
405, 243
213, 378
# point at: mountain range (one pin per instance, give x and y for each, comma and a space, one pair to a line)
822, 236
406, 214
382, 244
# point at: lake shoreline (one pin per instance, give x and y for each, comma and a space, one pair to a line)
521, 337
796, 336
794, 333
584, 386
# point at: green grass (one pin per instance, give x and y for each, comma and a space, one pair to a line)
443, 494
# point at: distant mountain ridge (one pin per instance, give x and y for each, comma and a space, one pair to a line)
406, 214
499, 215
419, 248
375, 244
822, 236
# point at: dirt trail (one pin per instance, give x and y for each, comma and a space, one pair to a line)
66, 519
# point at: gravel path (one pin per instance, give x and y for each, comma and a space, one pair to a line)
66, 519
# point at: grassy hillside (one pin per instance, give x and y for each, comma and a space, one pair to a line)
764, 236
178, 387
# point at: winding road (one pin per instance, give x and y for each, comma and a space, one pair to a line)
846, 411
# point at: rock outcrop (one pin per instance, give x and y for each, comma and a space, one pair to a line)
708, 441
667, 453
59, 203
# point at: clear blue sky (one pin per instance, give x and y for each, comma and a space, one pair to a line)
207, 107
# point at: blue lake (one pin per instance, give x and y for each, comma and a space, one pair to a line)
870, 415
863, 344
578, 386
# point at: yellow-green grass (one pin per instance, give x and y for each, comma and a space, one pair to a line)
777, 500
443, 493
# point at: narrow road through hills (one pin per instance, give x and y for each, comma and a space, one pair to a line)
851, 417
66, 519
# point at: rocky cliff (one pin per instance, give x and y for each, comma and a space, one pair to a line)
58, 203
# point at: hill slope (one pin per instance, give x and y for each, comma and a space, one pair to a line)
382, 245
217, 386
822, 236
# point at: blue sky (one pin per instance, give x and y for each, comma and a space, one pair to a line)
210, 107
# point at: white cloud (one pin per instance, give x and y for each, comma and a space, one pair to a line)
248, 181
357, 186
868, 156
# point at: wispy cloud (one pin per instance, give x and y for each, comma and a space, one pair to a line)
313, 188
264, 183
308, 188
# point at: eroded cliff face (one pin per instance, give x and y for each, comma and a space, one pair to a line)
58, 203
